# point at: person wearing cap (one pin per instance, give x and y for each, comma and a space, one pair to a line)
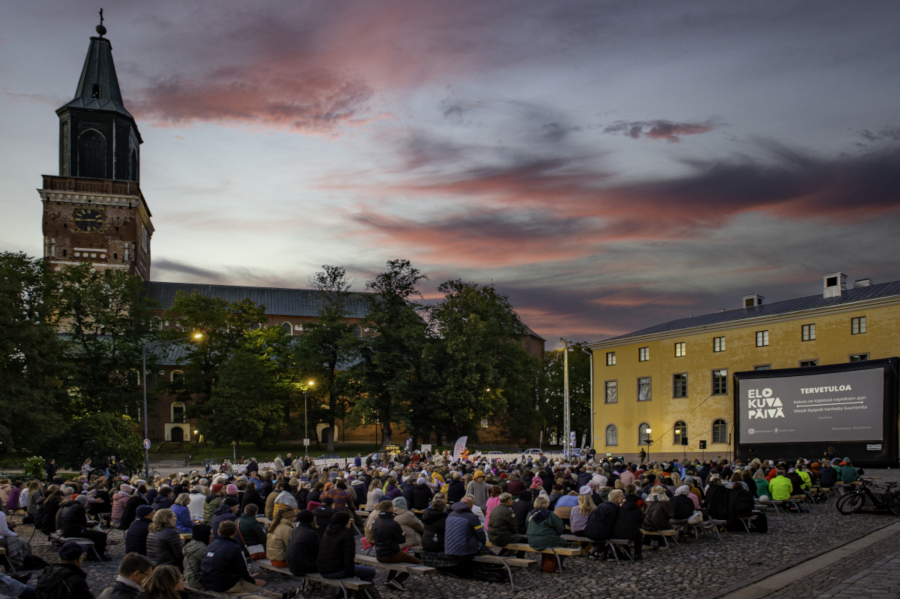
411, 525
227, 511
136, 535
303, 546
133, 570
73, 522
65, 579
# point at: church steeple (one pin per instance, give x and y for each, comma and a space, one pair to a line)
98, 136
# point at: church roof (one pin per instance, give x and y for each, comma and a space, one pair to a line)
98, 88
278, 301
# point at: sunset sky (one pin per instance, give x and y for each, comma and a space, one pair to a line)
608, 165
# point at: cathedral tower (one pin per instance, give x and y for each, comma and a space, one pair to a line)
94, 210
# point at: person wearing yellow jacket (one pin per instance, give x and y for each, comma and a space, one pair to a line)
781, 487
807, 481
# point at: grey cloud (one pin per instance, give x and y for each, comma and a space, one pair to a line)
659, 129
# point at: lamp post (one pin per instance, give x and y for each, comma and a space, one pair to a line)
649, 443
306, 418
566, 421
590, 354
144, 359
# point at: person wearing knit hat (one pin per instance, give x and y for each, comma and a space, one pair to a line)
231, 490
227, 511
213, 502
65, 579
136, 535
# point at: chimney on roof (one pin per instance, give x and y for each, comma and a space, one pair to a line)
867, 282
834, 285
751, 301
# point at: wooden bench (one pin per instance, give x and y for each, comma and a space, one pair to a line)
558, 552
345, 584
509, 563
412, 570
662, 533
611, 544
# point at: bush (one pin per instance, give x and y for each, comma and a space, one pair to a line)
97, 436
34, 468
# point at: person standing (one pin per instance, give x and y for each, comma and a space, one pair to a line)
51, 470
479, 489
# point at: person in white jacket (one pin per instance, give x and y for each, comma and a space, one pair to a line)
195, 507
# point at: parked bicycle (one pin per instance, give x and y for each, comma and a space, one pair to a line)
853, 501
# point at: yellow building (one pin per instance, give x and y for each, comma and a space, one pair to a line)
675, 379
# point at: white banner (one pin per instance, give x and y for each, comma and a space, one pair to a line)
459, 447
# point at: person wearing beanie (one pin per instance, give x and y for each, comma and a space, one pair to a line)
201, 537
73, 522
136, 535
213, 501
226, 512
412, 526
303, 546
65, 579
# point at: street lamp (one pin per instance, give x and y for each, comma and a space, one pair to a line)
649, 443
197, 336
306, 418
566, 422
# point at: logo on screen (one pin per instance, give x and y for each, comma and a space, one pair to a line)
763, 405
750, 431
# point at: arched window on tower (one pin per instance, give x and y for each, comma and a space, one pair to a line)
720, 431
612, 435
92, 155
288, 328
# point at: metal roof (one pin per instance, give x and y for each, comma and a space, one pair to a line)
99, 70
812, 302
278, 302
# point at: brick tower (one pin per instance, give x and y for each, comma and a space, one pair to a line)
94, 210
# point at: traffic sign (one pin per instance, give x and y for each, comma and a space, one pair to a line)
146, 443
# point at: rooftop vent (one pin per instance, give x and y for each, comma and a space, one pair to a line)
862, 283
834, 285
751, 301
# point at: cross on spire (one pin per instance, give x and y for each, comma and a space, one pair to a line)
100, 28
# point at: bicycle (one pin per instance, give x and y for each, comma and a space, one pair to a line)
853, 501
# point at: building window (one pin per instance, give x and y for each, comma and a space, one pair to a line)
718, 344
610, 358
808, 332
644, 388
859, 357
763, 367
720, 382
288, 329
679, 350
680, 388
680, 432
612, 392
177, 376
643, 435
178, 412
762, 338
858, 325
720, 431
612, 435
643, 354
808, 363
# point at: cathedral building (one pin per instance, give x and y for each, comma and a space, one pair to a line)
95, 212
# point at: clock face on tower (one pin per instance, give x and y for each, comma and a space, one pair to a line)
89, 220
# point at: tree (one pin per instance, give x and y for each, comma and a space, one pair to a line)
33, 398
477, 364
96, 436
223, 325
245, 405
390, 370
552, 392
329, 346
107, 319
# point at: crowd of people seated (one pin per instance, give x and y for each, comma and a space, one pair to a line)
303, 518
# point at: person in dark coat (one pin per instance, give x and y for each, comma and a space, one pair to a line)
601, 524
628, 524
223, 568
407, 488
251, 495
164, 544
227, 511
337, 552
163, 500
65, 579
130, 511
421, 495
51, 469
456, 490
250, 531
323, 515
73, 523
51, 508
133, 569
521, 508
682, 504
136, 535
303, 549
434, 520
717, 500
827, 476
389, 536
503, 528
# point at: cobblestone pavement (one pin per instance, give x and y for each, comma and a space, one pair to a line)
699, 568
871, 572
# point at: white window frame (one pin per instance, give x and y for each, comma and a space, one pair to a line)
607, 385
644, 354
610, 358
718, 344
680, 349
762, 338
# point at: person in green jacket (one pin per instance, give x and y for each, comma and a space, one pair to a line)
762, 485
781, 487
848, 472
544, 527
803, 473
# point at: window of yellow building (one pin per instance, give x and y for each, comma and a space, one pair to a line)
718, 344
612, 435
720, 431
610, 358
680, 384
679, 350
808, 363
720, 382
643, 354
612, 391
643, 433
762, 338
644, 388
859, 357
858, 325
680, 432
808, 332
